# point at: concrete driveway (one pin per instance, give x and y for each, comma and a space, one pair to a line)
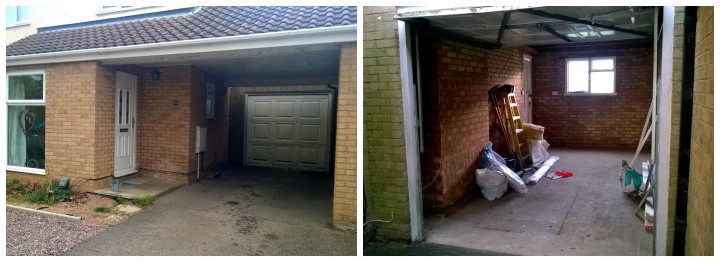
244, 211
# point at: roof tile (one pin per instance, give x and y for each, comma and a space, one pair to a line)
208, 22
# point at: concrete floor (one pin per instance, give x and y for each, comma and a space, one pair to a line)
249, 211
586, 214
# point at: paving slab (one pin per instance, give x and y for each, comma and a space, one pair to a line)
136, 189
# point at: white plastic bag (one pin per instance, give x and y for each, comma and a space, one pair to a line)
493, 184
515, 181
538, 151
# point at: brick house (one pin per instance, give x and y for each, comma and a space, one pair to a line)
427, 72
114, 96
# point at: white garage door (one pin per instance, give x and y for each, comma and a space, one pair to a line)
288, 131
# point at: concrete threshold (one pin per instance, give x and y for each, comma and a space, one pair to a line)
133, 189
43, 213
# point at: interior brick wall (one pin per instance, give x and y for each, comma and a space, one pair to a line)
385, 169
593, 121
700, 227
345, 193
217, 129
164, 128
457, 77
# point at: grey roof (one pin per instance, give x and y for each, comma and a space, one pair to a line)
208, 22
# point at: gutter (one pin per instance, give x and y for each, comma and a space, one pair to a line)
335, 34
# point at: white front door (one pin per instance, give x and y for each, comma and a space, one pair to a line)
126, 87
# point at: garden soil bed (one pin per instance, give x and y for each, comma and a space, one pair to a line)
83, 205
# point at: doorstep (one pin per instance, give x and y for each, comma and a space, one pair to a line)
141, 187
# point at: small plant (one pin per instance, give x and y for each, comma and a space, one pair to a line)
47, 193
120, 200
10, 182
101, 209
144, 201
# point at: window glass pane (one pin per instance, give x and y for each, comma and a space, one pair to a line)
577, 76
27, 87
602, 64
209, 108
120, 108
602, 82
22, 13
10, 15
26, 136
127, 107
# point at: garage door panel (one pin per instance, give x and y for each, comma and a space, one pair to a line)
260, 131
261, 109
294, 126
286, 109
310, 133
310, 155
310, 109
285, 154
285, 131
260, 153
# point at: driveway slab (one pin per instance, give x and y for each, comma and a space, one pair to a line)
248, 211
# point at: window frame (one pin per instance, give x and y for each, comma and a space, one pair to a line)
115, 9
589, 60
9, 102
18, 23
208, 86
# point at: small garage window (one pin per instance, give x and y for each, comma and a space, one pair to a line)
210, 101
590, 75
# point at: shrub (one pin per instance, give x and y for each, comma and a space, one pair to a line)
10, 182
47, 193
144, 201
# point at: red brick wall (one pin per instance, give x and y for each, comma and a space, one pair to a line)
593, 121
456, 114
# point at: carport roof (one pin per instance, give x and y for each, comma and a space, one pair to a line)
201, 23
536, 25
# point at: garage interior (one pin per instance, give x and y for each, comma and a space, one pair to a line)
458, 55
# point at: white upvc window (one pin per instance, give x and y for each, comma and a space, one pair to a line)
115, 8
590, 75
210, 100
16, 15
26, 121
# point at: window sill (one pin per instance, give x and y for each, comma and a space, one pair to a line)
18, 24
589, 94
119, 10
28, 170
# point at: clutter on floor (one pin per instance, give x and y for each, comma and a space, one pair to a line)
635, 185
522, 143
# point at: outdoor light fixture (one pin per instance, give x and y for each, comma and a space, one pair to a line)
155, 74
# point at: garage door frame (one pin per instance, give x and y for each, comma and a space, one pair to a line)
329, 143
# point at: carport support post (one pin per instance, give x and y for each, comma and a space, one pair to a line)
412, 145
664, 105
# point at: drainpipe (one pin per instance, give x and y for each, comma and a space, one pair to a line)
686, 108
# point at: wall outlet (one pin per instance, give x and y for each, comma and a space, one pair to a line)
554, 93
